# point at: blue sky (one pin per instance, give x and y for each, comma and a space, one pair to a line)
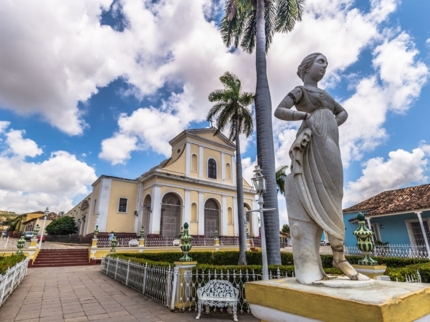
94, 87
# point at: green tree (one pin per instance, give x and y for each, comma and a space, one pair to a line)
251, 24
62, 226
15, 224
285, 229
280, 178
231, 109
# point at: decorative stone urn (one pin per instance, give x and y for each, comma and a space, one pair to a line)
185, 244
20, 245
113, 244
364, 241
96, 232
36, 230
216, 238
142, 233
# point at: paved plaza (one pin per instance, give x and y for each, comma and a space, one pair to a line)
84, 293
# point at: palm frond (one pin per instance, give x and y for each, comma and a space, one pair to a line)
250, 32
281, 176
287, 13
269, 20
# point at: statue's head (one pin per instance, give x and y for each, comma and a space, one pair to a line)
306, 63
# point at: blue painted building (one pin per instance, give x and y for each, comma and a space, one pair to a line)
400, 216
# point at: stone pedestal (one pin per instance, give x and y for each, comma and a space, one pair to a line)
371, 271
182, 288
94, 243
377, 301
141, 242
33, 244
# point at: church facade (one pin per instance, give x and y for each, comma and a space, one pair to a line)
197, 185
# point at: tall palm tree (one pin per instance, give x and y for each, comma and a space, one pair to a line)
280, 178
252, 24
231, 109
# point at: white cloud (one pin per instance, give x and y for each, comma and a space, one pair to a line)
29, 186
399, 80
3, 126
402, 168
20, 146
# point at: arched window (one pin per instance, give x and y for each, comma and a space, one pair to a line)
230, 216
228, 171
170, 215
194, 167
193, 212
146, 214
212, 169
211, 218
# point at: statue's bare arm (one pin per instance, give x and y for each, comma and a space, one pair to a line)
340, 114
284, 111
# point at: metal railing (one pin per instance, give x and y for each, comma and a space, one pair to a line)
153, 281
164, 284
13, 277
121, 242
394, 250
196, 279
4, 241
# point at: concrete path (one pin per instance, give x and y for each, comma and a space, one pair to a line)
83, 293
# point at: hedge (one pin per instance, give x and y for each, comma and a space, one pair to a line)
9, 261
396, 267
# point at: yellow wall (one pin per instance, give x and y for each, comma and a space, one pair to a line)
120, 221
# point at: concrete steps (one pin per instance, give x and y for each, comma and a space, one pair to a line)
63, 257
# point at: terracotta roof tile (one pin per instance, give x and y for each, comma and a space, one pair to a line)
394, 201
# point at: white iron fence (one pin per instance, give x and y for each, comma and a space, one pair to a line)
395, 250
164, 284
13, 277
152, 281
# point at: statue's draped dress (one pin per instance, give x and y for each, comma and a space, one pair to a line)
316, 163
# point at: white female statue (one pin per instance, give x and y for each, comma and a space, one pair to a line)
314, 189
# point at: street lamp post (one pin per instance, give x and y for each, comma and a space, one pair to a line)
43, 227
260, 186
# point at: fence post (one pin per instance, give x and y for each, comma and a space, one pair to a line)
184, 270
175, 283
144, 278
107, 266
116, 267
168, 286
128, 269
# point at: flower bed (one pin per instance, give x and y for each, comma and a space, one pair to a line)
12, 271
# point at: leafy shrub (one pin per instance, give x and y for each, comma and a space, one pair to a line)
62, 226
399, 273
9, 261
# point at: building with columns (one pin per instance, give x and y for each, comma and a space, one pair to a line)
197, 184
400, 216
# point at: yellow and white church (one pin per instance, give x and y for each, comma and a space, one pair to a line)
197, 185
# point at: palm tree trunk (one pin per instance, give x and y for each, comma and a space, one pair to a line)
240, 207
265, 145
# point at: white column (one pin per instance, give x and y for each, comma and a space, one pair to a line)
103, 205
233, 172
224, 217
200, 162
187, 159
138, 220
423, 232
186, 218
201, 214
235, 219
155, 216
222, 166
254, 229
